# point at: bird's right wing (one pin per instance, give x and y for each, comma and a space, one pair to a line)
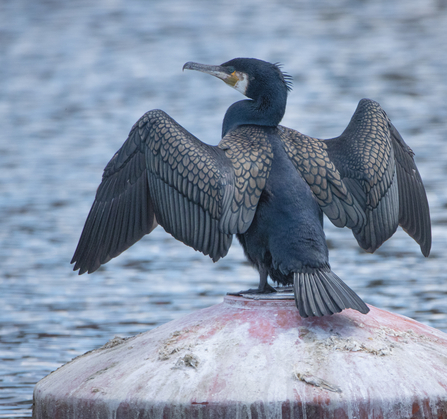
311, 159
365, 179
379, 170
162, 174
414, 212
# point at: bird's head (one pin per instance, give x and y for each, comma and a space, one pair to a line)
250, 76
264, 83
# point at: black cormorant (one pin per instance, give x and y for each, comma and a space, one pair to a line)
266, 183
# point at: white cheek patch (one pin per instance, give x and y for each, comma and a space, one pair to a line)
242, 84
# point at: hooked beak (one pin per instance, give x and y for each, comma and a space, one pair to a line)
218, 71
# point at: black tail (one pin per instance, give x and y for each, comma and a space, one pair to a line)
322, 293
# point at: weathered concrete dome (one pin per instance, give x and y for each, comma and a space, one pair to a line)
258, 359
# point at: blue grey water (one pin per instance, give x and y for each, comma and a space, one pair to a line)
76, 75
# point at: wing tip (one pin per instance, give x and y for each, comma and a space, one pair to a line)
426, 248
83, 268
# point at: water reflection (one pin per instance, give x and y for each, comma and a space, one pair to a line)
74, 78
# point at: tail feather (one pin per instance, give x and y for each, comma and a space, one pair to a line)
327, 304
322, 293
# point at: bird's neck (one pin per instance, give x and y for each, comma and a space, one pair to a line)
263, 111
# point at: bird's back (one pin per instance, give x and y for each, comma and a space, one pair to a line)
286, 233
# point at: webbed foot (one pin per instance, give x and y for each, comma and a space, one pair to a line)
266, 289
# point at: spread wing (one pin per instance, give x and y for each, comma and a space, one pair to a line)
162, 174
311, 159
378, 169
365, 179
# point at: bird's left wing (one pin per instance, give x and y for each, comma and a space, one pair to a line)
122, 212
162, 174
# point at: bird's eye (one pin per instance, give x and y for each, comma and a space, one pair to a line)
231, 70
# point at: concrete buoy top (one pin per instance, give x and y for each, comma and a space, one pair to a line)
258, 359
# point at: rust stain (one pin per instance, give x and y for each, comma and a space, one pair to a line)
415, 408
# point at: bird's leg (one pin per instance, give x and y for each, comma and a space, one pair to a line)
264, 287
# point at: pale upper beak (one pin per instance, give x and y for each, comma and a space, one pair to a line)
235, 79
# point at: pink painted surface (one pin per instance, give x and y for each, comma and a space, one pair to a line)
258, 359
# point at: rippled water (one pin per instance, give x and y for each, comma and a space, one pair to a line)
75, 76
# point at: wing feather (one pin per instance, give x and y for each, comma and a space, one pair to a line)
162, 174
251, 156
310, 157
365, 179
414, 213
378, 169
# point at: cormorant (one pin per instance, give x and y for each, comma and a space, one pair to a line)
266, 183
